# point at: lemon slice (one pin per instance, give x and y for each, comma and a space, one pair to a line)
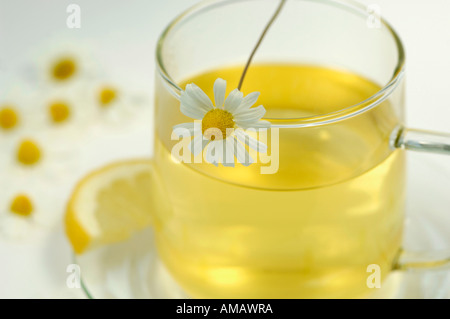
110, 204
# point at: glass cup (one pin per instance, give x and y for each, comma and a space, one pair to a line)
333, 209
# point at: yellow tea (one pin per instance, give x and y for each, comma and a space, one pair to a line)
311, 229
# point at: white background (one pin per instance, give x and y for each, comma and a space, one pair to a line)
124, 33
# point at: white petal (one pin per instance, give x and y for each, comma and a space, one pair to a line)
190, 101
181, 129
247, 102
199, 97
251, 115
190, 108
242, 155
250, 141
220, 87
233, 100
197, 145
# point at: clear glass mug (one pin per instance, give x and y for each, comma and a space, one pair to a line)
235, 233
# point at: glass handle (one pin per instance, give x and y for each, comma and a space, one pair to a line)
430, 142
422, 141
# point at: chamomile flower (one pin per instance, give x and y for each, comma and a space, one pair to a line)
36, 155
110, 101
116, 103
62, 63
68, 113
23, 207
222, 131
16, 215
18, 209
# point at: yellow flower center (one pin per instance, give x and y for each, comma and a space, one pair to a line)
22, 206
64, 69
28, 153
8, 118
59, 112
215, 124
107, 95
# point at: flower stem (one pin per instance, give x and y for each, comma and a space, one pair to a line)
249, 61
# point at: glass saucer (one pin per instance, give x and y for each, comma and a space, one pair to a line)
132, 269
129, 269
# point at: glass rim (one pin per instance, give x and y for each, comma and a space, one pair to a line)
315, 120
